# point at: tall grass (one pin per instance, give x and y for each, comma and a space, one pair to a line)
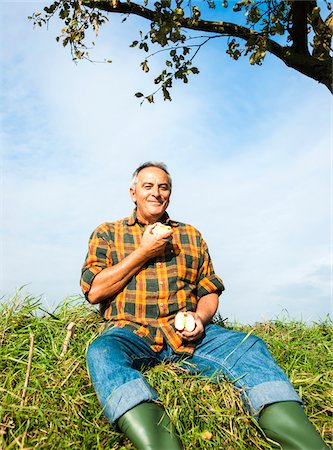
60, 409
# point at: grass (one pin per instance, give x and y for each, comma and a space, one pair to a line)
60, 409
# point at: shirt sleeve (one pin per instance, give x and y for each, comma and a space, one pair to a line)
97, 259
208, 282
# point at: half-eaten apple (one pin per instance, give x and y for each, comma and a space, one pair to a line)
184, 322
160, 228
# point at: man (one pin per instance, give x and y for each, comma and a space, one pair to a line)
142, 279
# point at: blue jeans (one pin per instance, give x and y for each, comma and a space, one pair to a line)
116, 357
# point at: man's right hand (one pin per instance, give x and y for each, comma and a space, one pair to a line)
152, 244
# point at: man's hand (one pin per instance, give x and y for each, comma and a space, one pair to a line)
196, 333
153, 244
206, 308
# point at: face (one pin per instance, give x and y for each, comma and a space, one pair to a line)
151, 194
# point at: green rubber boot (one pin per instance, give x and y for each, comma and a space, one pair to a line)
148, 426
286, 424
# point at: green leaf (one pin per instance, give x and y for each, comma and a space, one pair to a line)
144, 66
196, 12
280, 28
166, 94
139, 94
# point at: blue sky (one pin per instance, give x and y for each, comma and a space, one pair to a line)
249, 149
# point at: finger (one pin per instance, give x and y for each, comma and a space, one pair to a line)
198, 329
150, 228
191, 336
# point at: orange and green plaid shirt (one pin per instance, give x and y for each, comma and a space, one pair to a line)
173, 282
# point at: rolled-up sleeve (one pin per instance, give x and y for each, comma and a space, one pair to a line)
97, 259
208, 281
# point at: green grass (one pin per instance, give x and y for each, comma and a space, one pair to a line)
61, 411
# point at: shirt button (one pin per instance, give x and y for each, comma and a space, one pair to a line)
161, 283
161, 304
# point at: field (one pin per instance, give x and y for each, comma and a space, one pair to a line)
54, 406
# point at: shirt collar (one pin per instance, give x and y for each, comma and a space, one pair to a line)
133, 219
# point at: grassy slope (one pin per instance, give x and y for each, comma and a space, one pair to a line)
61, 410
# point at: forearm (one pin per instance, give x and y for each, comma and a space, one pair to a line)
207, 307
112, 279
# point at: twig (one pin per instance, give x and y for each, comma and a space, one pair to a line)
191, 38
70, 332
31, 349
70, 374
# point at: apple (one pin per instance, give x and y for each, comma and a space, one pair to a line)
184, 322
160, 228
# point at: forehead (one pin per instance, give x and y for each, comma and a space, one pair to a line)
152, 175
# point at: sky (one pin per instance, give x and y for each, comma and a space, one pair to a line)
249, 150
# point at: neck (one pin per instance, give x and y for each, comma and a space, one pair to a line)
147, 220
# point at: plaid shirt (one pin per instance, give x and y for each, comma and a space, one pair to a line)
165, 285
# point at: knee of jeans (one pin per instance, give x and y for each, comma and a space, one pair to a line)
94, 350
260, 345
253, 340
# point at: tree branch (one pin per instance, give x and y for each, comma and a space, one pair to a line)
317, 66
220, 27
299, 29
120, 7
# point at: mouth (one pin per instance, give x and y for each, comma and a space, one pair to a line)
156, 203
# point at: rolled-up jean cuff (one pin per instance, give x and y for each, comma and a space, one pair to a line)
126, 397
264, 394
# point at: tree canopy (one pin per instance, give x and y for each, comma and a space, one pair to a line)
296, 32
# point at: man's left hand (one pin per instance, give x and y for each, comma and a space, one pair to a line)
196, 333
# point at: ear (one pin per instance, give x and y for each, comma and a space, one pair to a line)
133, 195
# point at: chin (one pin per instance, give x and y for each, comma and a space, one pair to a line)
156, 216
157, 211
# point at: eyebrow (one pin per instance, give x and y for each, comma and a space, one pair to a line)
149, 183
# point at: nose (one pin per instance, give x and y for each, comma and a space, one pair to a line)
155, 191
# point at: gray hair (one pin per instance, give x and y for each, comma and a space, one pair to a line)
159, 165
